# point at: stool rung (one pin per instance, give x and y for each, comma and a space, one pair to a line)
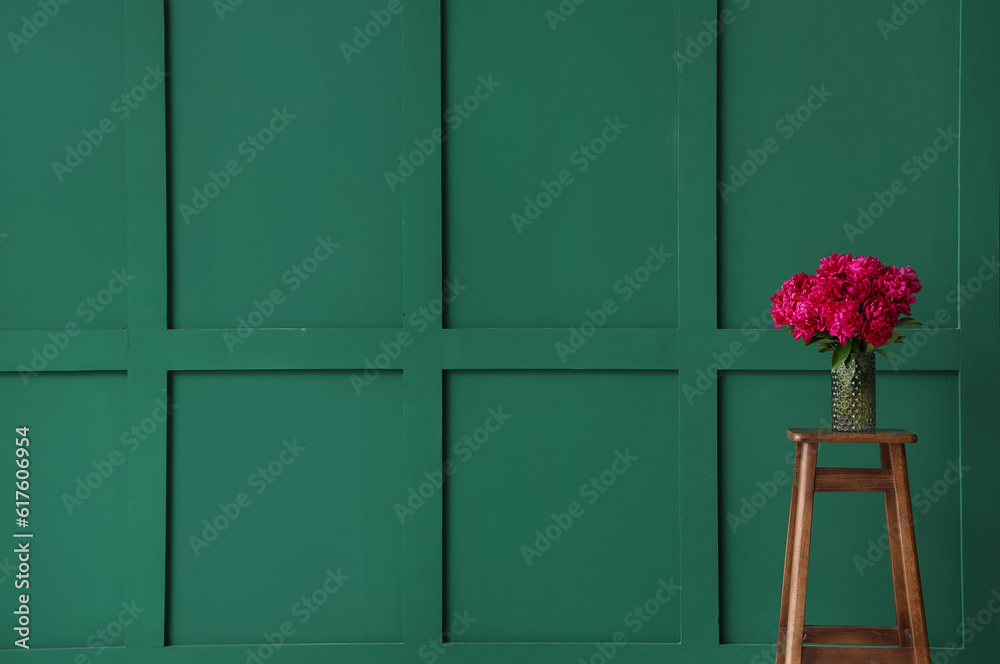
859, 655
870, 636
853, 479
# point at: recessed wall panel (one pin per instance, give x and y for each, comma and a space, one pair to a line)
850, 579
561, 162
63, 130
561, 510
837, 133
72, 542
279, 141
281, 508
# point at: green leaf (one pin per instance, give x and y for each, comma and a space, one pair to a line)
827, 349
839, 355
906, 322
899, 340
881, 352
821, 338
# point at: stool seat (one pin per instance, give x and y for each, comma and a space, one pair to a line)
909, 636
831, 436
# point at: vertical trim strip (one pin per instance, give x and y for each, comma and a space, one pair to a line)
147, 308
979, 192
422, 270
697, 321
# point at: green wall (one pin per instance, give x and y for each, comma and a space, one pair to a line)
449, 339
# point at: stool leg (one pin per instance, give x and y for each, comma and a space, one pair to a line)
908, 550
896, 555
787, 581
800, 553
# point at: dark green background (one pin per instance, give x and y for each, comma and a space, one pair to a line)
364, 367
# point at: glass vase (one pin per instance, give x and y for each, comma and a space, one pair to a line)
854, 393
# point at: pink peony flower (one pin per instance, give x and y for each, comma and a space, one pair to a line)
880, 318
805, 316
865, 268
858, 291
834, 266
784, 301
848, 296
842, 319
892, 283
876, 332
825, 289
912, 283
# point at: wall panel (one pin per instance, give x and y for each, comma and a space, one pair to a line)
850, 581
564, 520
78, 442
278, 146
63, 131
396, 145
573, 186
281, 508
795, 166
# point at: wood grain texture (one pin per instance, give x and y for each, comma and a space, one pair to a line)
853, 480
908, 550
786, 583
831, 436
874, 636
896, 557
909, 636
799, 575
857, 655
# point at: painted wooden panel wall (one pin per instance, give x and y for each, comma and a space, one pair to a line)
396, 330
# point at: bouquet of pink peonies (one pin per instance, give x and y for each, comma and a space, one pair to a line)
851, 305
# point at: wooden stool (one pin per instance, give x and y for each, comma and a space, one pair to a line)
910, 633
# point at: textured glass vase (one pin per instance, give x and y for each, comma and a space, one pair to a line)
854, 393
